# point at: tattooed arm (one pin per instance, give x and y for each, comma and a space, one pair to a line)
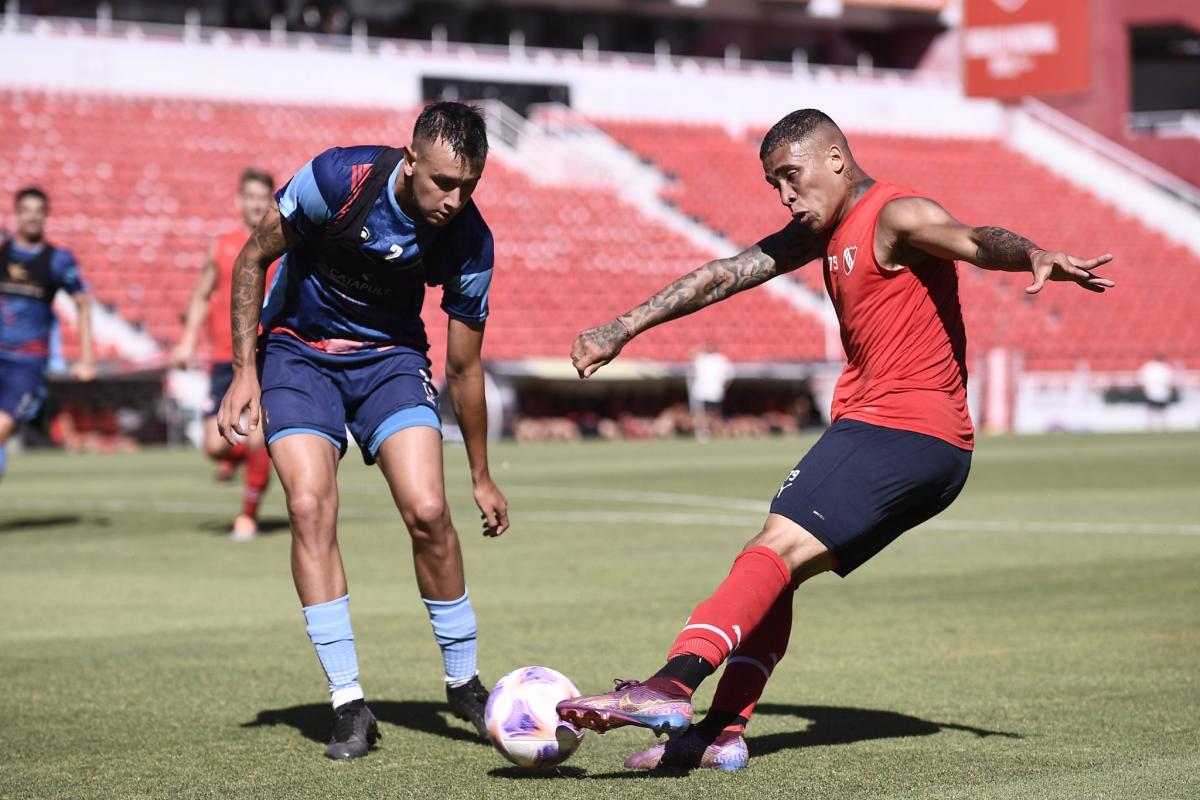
911, 224
780, 252
270, 240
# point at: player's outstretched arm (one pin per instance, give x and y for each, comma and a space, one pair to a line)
197, 311
922, 224
270, 240
781, 252
464, 374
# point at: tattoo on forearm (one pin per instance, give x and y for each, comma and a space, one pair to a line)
245, 305
998, 247
714, 281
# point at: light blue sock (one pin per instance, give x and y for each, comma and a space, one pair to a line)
3, 458
330, 632
454, 629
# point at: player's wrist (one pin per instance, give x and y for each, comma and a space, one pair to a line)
1033, 251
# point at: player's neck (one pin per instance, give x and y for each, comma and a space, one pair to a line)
860, 184
25, 243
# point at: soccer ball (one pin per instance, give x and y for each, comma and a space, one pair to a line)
522, 722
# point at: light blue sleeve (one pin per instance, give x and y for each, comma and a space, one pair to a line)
465, 294
301, 202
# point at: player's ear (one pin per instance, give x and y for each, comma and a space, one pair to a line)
410, 157
837, 161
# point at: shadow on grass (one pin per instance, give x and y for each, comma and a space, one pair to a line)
265, 526
315, 721
827, 725
25, 523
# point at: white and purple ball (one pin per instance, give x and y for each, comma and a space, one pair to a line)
522, 722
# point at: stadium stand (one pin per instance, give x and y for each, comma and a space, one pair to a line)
718, 181
140, 184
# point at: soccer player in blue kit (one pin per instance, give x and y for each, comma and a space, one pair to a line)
362, 230
32, 272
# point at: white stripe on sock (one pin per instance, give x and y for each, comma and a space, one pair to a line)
753, 662
715, 630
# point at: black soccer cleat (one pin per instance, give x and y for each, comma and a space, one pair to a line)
354, 731
468, 702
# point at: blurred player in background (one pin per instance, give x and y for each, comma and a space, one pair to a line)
899, 448
210, 301
708, 379
364, 230
32, 271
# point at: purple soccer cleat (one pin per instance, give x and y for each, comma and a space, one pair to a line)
692, 750
630, 703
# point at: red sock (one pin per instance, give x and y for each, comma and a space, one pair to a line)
736, 608
258, 475
236, 454
747, 671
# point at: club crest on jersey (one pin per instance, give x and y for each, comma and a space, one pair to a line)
848, 256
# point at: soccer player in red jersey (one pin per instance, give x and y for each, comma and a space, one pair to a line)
899, 447
210, 302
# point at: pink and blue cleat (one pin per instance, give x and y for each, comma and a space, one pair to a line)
691, 750
630, 703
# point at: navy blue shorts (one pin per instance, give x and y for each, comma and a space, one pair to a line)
374, 394
22, 388
220, 378
861, 486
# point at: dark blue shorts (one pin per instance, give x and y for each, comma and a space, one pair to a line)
374, 394
861, 486
22, 388
220, 377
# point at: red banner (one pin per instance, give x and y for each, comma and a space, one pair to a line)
1013, 48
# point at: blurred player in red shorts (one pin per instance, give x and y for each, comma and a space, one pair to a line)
210, 302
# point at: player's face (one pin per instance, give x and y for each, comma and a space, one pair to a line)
808, 177
439, 183
253, 202
31, 218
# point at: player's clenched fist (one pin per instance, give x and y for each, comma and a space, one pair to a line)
243, 398
595, 347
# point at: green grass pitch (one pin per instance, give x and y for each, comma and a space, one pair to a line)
1041, 639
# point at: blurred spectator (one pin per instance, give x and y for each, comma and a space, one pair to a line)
1158, 386
710, 376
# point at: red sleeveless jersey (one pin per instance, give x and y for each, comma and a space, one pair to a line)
220, 328
906, 347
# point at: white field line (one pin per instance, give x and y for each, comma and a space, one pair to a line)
606, 516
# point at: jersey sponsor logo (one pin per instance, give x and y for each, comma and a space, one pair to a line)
359, 283
848, 256
19, 282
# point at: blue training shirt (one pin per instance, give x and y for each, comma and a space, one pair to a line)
26, 322
300, 302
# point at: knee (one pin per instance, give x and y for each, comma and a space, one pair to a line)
310, 510
804, 554
428, 519
214, 447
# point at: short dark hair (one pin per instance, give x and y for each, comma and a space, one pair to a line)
259, 175
795, 127
460, 126
32, 191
